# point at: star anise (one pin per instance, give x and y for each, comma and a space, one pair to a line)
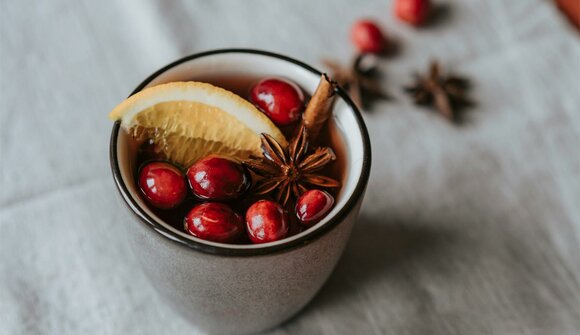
359, 79
448, 93
292, 169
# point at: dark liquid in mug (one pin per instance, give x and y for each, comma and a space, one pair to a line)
330, 136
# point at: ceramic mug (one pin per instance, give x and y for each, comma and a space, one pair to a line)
238, 289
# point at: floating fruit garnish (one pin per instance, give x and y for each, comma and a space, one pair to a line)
214, 221
313, 205
190, 120
281, 100
218, 178
162, 184
266, 221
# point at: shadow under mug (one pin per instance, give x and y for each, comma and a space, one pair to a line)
238, 289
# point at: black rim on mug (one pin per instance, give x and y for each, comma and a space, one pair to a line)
152, 223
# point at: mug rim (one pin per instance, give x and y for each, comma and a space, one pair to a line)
152, 223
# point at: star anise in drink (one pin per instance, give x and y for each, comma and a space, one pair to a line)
292, 170
447, 93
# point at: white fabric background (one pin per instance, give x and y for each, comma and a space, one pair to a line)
464, 230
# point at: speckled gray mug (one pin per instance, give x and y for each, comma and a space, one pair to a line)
239, 289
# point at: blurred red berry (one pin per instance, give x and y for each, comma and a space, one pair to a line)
367, 37
414, 12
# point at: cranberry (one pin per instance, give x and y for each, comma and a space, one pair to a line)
313, 205
162, 184
282, 101
214, 221
217, 178
414, 12
266, 221
367, 37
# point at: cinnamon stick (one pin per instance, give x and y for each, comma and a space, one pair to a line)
319, 107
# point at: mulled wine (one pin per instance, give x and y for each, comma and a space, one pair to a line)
232, 191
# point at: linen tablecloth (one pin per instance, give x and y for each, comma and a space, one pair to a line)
470, 229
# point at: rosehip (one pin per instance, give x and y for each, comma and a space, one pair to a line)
266, 221
367, 37
313, 205
414, 12
218, 178
282, 101
214, 221
162, 184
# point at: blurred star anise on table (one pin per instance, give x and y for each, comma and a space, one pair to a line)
359, 79
447, 93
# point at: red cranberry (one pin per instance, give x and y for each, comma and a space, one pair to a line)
313, 205
218, 178
414, 12
266, 221
367, 37
162, 184
282, 101
214, 221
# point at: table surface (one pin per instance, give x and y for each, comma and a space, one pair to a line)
464, 230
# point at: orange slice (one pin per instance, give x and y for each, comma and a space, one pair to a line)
190, 120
